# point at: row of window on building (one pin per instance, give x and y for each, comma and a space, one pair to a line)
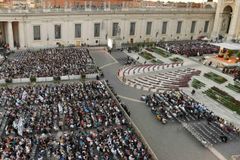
115, 29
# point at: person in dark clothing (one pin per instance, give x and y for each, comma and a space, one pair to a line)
193, 92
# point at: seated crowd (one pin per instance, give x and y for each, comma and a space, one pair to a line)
15, 147
114, 143
189, 48
48, 62
49, 109
178, 105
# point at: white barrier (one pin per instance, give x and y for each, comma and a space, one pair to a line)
48, 79
16, 80
2, 81
72, 77
94, 75
40, 79
25, 80
64, 78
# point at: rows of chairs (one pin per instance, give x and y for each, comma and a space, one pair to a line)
48, 63
189, 48
176, 106
145, 68
162, 81
40, 122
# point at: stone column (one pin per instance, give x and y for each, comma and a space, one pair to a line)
217, 20
21, 34
10, 35
233, 29
104, 5
109, 5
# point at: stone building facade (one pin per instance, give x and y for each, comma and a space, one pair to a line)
47, 27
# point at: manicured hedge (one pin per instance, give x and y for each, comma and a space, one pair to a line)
8, 80
176, 59
234, 87
33, 79
157, 61
214, 77
57, 78
224, 98
146, 55
161, 52
197, 84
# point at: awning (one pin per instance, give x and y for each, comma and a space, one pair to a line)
230, 46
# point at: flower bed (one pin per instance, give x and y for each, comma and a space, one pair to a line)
223, 98
146, 55
234, 87
214, 77
161, 52
197, 84
156, 61
176, 59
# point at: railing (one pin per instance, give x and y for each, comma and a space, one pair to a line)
112, 10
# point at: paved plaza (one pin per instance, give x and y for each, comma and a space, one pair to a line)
170, 141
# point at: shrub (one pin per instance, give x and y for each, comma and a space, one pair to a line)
234, 87
176, 59
230, 53
33, 79
161, 52
146, 55
57, 78
224, 98
197, 84
8, 80
83, 76
238, 54
214, 77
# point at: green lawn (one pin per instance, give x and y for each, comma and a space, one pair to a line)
224, 98
214, 77
197, 84
234, 87
161, 52
146, 55
176, 59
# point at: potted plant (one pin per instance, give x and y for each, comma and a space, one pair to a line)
230, 53
9, 80
83, 76
56, 78
33, 79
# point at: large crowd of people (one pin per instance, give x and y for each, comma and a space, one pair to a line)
43, 111
15, 147
113, 143
48, 63
178, 105
189, 48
